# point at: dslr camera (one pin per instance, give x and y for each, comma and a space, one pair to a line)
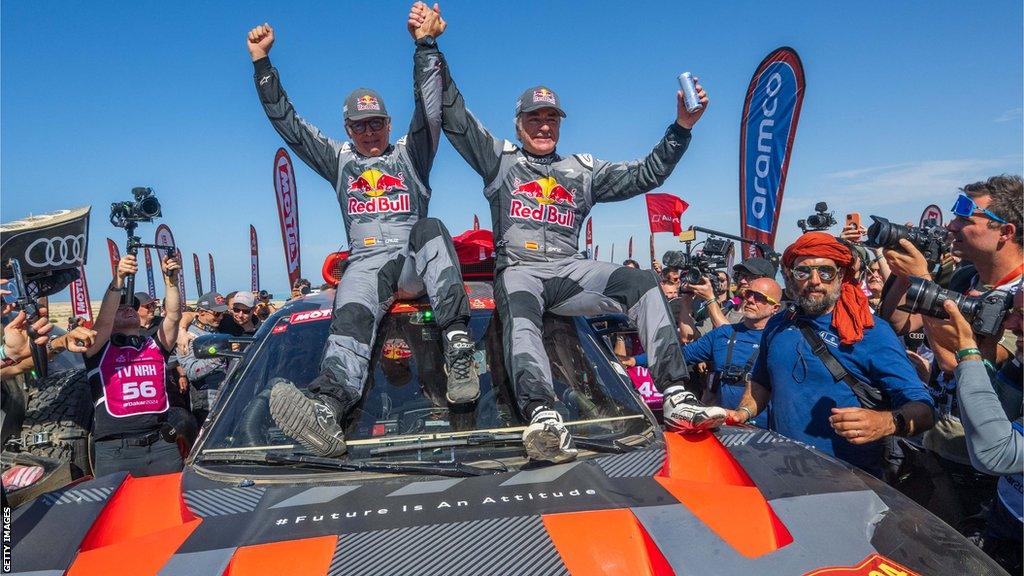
265, 296
821, 220
692, 267
733, 374
931, 239
144, 208
985, 312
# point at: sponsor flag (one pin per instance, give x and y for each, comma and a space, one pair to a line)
612, 257
151, 284
665, 212
199, 279
254, 256
213, 273
476, 222
629, 251
181, 281
590, 237
596, 248
932, 212
115, 256
652, 251
767, 129
81, 307
288, 212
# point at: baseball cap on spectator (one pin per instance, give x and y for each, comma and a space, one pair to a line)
760, 267
364, 103
245, 298
213, 302
141, 299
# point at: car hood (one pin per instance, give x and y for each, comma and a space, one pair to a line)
740, 501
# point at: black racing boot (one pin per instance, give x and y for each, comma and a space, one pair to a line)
313, 422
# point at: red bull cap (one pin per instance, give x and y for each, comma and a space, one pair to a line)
364, 103
538, 97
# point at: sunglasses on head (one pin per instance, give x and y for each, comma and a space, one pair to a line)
826, 273
360, 126
758, 296
965, 207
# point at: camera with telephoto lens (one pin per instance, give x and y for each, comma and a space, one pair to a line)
985, 312
821, 220
144, 208
266, 296
931, 239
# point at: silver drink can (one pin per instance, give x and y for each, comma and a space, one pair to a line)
689, 88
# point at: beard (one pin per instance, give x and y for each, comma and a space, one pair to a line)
818, 301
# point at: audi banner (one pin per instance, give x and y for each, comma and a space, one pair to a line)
288, 212
149, 274
81, 307
48, 242
767, 129
181, 279
199, 279
115, 256
254, 255
590, 238
213, 273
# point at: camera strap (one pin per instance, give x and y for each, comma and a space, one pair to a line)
868, 396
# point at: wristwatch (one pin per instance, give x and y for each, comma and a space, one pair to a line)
900, 422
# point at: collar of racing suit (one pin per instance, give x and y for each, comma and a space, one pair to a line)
545, 159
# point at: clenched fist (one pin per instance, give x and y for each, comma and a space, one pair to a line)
260, 40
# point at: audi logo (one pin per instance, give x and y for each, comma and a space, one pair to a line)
57, 251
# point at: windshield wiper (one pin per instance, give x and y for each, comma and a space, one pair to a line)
273, 459
477, 439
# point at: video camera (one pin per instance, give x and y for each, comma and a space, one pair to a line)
821, 220
931, 239
127, 215
692, 267
985, 312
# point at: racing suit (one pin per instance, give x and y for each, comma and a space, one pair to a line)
538, 205
395, 250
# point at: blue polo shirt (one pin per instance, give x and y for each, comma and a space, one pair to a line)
713, 348
803, 391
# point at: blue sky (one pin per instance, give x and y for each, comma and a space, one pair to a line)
904, 102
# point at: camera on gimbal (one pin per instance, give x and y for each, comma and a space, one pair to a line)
692, 267
822, 219
144, 208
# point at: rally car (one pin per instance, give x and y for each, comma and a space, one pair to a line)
428, 488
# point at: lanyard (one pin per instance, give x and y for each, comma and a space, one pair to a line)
1015, 273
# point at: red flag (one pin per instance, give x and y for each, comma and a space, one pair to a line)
254, 256
115, 256
476, 222
590, 238
629, 252
80, 304
664, 212
288, 212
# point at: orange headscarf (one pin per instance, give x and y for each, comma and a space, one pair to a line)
852, 314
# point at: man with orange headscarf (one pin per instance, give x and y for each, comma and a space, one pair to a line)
808, 403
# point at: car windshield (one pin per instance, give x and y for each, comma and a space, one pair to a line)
404, 414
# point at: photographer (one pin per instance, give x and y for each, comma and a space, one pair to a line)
301, 287
127, 378
991, 412
264, 307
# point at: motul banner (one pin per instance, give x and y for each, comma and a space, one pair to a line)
213, 273
254, 255
665, 213
149, 274
181, 279
115, 256
590, 238
288, 212
199, 279
81, 307
767, 129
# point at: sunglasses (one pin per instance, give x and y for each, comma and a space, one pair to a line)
360, 126
204, 310
758, 296
826, 273
121, 340
965, 207
242, 310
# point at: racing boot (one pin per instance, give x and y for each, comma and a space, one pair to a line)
463, 379
683, 412
311, 421
546, 438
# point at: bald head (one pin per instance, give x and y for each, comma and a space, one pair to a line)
761, 301
768, 287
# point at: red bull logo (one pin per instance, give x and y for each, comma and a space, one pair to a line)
548, 194
396, 349
374, 184
367, 102
544, 95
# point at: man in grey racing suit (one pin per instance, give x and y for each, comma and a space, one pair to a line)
396, 251
538, 201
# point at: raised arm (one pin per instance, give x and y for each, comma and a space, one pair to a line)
168, 333
425, 25
104, 323
621, 180
304, 139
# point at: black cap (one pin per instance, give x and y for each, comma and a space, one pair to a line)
213, 302
538, 97
759, 267
364, 103
141, 299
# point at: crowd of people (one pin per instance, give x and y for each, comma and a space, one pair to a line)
825, 344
